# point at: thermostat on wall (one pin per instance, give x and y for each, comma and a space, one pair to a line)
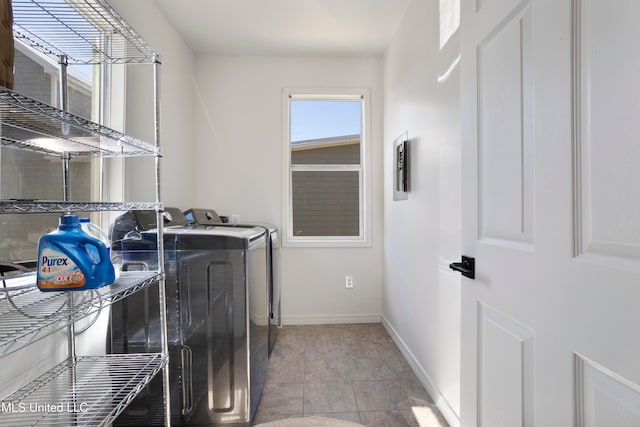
401, 167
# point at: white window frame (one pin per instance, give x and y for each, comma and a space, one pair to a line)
364, 237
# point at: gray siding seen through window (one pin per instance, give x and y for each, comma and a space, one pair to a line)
30, 175
326, 203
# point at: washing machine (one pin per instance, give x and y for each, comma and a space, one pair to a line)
217, 316
209, 217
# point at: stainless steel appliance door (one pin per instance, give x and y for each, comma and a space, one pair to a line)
237, 334
258, 318
274, 288
227, 341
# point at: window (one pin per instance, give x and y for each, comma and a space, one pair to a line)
30, 175
326, 157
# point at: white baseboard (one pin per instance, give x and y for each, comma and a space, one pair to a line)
443, 405
328, 319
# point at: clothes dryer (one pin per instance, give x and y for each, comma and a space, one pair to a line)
217, 321
209, 217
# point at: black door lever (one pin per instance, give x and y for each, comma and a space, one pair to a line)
467, 267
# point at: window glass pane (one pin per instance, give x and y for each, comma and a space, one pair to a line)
29, 175
325, 131
326, 203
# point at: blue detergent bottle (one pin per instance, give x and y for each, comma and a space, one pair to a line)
71, 259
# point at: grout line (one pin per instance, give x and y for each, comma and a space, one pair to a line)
304, 373
355, 400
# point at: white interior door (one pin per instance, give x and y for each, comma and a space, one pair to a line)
551, 213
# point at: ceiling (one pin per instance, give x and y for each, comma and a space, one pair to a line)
285, 27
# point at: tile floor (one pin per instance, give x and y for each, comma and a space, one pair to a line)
353, 372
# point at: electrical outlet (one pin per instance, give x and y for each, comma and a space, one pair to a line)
348, 282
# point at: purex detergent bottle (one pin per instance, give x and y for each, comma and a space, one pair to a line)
71, 259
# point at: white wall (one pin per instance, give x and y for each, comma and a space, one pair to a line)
223, 133
238, 170
177, 100
421, 301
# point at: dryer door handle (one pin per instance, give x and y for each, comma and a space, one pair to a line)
187, 380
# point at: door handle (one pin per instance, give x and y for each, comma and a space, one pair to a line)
467, 267
187, 380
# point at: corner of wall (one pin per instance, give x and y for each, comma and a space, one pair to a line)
421, 298
440, 401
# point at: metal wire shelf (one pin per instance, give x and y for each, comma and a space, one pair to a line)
30, 124
18, 206
27, 314
101, 388
86, 31
75, 32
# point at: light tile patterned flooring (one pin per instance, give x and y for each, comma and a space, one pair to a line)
352, 372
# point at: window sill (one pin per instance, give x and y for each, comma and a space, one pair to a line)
326, 243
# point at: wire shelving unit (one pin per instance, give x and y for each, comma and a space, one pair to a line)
82, 390
19, 206
85, 31
103, 388
31, 125
28, 315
